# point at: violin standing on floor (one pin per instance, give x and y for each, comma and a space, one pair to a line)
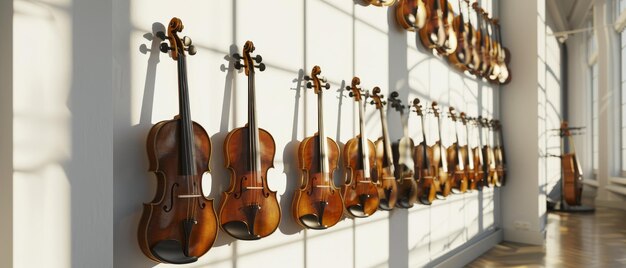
426, 165
180, 224
249, 210
455, 160
411, 14
385, 169
359, 192
572, 172
403, 160
440, 156
468, 157
317, 203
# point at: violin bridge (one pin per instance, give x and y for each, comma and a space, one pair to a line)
189, 195
254, 188
322, 186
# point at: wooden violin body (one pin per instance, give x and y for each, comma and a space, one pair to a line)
466, 155
572, 179
359, 192
249, 210
318, 203
386, 181
405, 166
164, 220
180, 224
450, 42
459, 179
460, 58
411, 14
498, 151
433, 34
426, 173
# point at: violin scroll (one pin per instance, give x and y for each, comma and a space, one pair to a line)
177, 46
248, 60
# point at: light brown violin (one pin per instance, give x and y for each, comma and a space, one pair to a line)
489, 157
440, 156
179, 225
450, 42
461, 57
426, 165
498, 151
572, 172
481, 169
385, 169
411, 14
456, 165
433, 34
359, 192
249, 210
317, 203
403, 159
467, 155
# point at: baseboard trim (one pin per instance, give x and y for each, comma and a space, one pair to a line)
525, 237
463, 255
610, 204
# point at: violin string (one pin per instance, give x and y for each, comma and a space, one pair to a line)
190, 146
181, 128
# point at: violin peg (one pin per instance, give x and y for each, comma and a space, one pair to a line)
327, 86
258, 58
351, 94
307, 78
192, 50
309, 85
238, 65
237, 56
187, 41
164, 48
348, 88
261, 67
384, 102
372, 102
161, 35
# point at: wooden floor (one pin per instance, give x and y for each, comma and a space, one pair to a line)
573, 240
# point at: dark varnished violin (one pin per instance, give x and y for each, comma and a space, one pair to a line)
440, 156
403, 159
426, 165
467, 155
450, 42
572, 172
460, 58
317, 203
498, 151
359, 192
411, 14
385, 169
179, 225
249, 210
455, 160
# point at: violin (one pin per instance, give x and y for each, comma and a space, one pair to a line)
249, 210
498, 151
360, 195
460, 58
495, 51
472, 38
484, 68
440, 155
317, 203
426, 165
411, 14
380, 3
456, 164
480, 167
572, 172
179, 225
490, 164
504, 58
467, 155
450, 42
403, 159
433, 34
385, 169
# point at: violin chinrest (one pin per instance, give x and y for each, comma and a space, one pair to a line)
240, 230
171, 251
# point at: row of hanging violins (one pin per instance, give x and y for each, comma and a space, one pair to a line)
180, 223
479, 51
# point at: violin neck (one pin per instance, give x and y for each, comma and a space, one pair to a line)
424, 140
322, 137
386, 141
253, 134
364, 145
186, 159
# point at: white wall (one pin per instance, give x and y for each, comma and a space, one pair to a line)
6, 134
85, 176
345, 40
532, 107
63, 138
